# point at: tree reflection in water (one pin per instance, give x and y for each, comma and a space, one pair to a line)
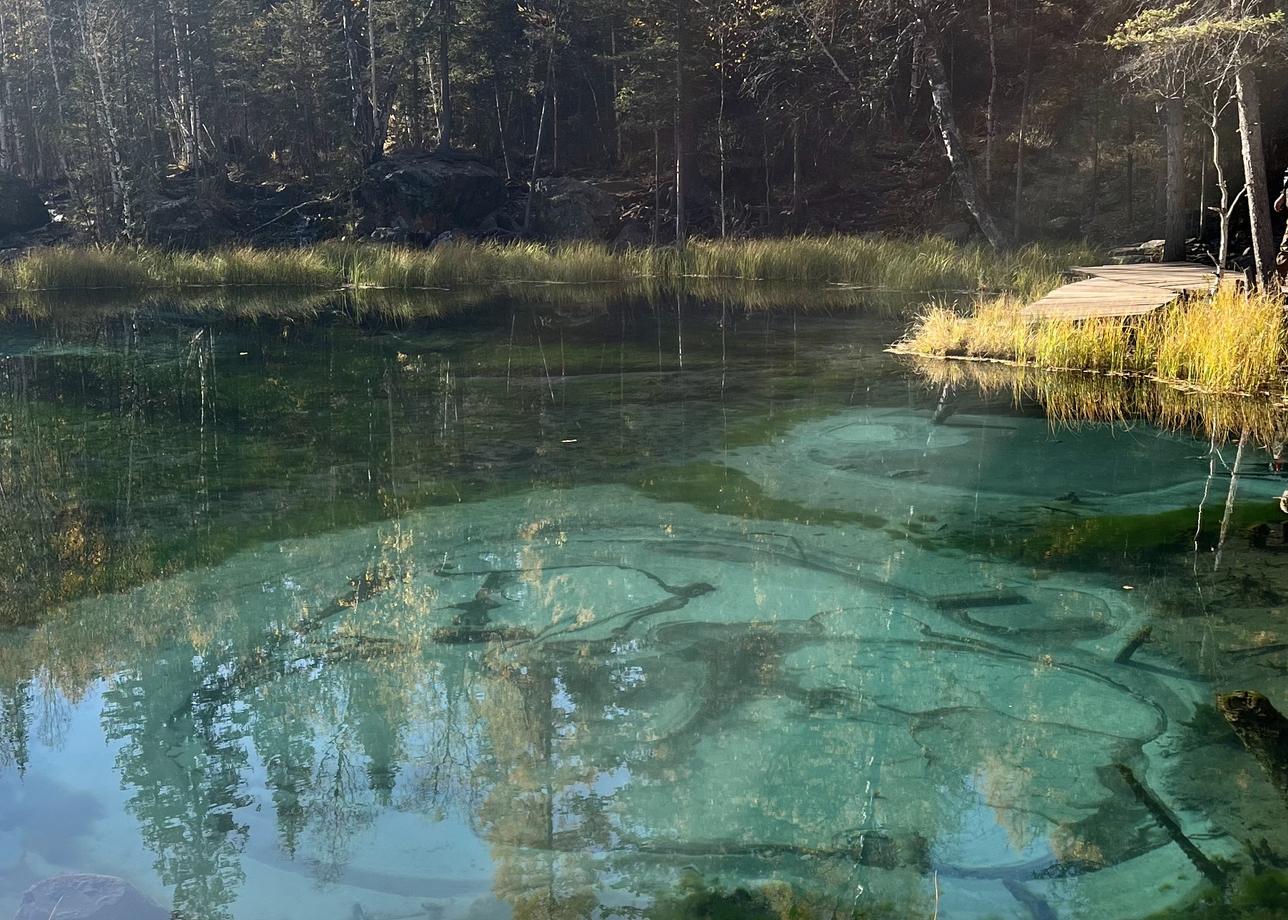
396, 586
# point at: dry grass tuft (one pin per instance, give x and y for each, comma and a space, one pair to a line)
1229, 342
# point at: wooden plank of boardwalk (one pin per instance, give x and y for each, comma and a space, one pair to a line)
1173, 276
1121, 290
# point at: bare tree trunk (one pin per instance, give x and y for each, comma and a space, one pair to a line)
657, 185
541, 130
445, 82
963, 172
720, 129
183, 87
796, 171
1223, 187
1095, 170
377, 117
500, 127
91, 43
990, 123
769, 187
681, 122
355, 81
6, 97
431, 81
1202, 212
1254, 171
160, 136
1174, 234
61, 139
1131, 166
414, 115
617, 114
1020, 140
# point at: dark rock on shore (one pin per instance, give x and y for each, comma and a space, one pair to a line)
189, 212
427, 194
21, 207
189, 222
569, 209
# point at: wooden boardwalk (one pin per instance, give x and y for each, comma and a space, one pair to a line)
1122, 290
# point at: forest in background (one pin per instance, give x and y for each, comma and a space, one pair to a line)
760, 116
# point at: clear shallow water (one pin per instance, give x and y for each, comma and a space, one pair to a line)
644, 611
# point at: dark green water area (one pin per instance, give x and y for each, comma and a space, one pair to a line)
616, 609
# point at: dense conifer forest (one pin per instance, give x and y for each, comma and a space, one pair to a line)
191, 122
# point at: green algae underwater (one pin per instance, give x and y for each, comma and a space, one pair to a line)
591, 606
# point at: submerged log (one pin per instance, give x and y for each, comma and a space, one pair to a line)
461, 634
1210, 870
1001, 597
1263, 731
1133, 644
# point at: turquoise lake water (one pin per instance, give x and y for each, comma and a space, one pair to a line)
646, 610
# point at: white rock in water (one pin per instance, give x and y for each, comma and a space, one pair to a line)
87, 897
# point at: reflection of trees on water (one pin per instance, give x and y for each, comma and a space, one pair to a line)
578, 760
132, 447
591, 756
188, 774
15, 729
528, 816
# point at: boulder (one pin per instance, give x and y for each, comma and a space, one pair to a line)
429, 194
87, 897
189, 222
21, 207
569, 209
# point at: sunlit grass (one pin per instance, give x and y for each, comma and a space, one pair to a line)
1229, 342
82, 269
927, 264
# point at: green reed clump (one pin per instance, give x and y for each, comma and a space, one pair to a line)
1229, 342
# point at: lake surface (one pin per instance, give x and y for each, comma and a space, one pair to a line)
641, 610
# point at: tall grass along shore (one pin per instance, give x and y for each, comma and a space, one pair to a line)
1228, 342
928, 264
